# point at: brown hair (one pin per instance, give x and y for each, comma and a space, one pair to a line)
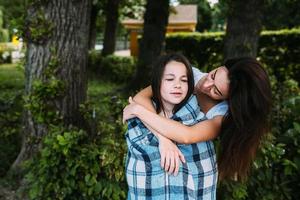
249, 104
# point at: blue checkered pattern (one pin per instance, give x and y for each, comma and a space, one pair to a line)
197, 178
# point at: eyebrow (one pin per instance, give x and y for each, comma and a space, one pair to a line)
220, 93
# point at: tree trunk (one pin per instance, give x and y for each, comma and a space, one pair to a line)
112, 16
93, 27
243, 28
69, 39
152, 43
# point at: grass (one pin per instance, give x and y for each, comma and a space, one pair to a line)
11, 83
98, 88
11, 76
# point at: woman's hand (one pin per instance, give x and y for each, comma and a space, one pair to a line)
170, 156
130, 110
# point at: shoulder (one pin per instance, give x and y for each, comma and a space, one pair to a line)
197, 74
219, 109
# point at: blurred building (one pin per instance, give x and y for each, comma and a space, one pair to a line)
182, 18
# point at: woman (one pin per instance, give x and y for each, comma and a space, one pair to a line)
244, 83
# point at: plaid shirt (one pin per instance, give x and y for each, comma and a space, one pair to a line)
197, 178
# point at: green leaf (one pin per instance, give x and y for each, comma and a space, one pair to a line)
87, 178
98, 188
61, 140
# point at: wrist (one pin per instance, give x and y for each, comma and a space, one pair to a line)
162, 138
138, 110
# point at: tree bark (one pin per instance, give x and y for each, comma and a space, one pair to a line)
69, 38
112, 16
243, 28
152, 42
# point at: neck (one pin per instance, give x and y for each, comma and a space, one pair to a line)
168, 110
205, 102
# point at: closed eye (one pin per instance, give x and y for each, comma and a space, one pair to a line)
216, 93
214, 75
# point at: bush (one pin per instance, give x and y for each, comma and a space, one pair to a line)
111, 68
279, 50
118, 69
10, 126
94, 61
11, 106
75, 165
66, 168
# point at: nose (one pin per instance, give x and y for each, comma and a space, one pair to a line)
208, 83
177, 84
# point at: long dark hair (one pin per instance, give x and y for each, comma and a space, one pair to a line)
157, 74
249, 104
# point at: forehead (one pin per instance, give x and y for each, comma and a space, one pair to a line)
221, 68
175, 68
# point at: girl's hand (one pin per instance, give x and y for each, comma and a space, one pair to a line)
130, 110
170, 156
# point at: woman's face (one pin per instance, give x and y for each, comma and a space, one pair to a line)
174, 84
215, 84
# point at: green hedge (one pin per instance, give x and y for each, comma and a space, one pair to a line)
111, 68
118, 69
202, 49
279, 50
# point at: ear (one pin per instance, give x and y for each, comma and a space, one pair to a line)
130, 100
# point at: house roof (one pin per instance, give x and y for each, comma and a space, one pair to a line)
183, 13
179, 15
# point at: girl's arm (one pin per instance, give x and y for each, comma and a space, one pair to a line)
202, 131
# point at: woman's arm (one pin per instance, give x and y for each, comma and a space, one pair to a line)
170, 154
143, 98
202, 131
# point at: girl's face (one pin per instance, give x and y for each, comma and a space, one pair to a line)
174, 84
215, 84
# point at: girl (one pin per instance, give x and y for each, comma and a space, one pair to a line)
172, 85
